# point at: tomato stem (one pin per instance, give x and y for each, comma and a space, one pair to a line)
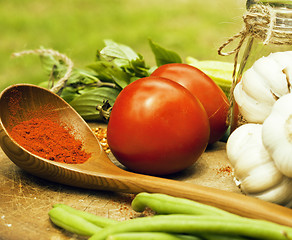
105, 110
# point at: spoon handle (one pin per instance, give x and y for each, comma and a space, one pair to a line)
232, 202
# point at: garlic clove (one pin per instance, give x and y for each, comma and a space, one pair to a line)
239, 140
284, 59
262, 85
261, 178
254, 169
252, 110
272, 72
252, 158
283, 160
279, 194
245, 150
254, 85
277, 134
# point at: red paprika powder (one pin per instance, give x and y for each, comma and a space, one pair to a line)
43, 134
50, 140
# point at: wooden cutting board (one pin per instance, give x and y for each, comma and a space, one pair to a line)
25, 200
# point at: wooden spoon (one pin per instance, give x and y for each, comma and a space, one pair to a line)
100, 173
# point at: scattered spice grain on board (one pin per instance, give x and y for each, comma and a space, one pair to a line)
101, 134
228, 170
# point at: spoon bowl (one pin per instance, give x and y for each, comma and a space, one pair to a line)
17, 103
99, 172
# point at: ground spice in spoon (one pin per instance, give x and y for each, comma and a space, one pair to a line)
50, 140
43, 134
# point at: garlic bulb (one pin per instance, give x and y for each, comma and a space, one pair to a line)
277, 134
280, 193
261, 85
254, 167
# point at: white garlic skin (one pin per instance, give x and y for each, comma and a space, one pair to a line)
254, 167
261, 85
277, 134
280, 193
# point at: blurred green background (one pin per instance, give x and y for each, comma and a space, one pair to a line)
77, 28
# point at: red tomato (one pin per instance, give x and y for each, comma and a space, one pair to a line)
157, 127
205, 89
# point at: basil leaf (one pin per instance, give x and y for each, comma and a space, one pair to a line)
119, 63
52, 66
164, 56
108, 71
139, 67
86, 103
119, 53
69, 93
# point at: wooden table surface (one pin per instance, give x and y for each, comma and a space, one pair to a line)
25, 200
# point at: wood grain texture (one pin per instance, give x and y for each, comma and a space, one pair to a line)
100, 173
26, 199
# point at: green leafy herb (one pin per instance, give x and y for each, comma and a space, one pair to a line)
87, 103
164, 56
119, 63
116, 66
119, 53
109, 72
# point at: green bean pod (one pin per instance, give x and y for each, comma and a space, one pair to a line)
72, 223
150, 236
166, 204
96, 220
86, 103
222, 237
196, 225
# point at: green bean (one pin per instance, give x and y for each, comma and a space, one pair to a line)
72, 223
150, 236
97, 220
103, 222
221, 237
165, 204
196, 225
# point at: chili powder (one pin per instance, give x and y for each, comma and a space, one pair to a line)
50, 140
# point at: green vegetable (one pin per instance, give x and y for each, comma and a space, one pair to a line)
188, 224
220, 72
72, 222
150, 236
96, 220
124, 58
119, 53
222, 237
163, 56
86, 103
115, 66
168, 236
209, 223
109, 71
165, 204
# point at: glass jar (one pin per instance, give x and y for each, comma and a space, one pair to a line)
268, 29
